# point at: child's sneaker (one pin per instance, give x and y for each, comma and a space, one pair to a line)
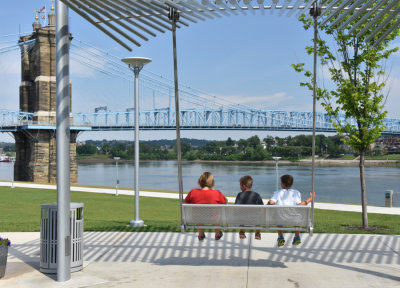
296, 240
219, 236
281, 241
201, 237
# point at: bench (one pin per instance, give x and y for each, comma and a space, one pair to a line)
248, 217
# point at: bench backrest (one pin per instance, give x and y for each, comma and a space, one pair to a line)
263, 217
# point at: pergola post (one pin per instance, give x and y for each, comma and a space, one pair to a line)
62, 143
315, 12
174, 17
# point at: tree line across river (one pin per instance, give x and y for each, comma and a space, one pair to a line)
251, 149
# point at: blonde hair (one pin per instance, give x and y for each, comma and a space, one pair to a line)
206, 180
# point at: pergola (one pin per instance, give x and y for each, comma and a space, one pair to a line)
130, 21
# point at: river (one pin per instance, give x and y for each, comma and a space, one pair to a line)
332, 184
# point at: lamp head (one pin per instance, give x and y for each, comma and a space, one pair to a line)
136, 62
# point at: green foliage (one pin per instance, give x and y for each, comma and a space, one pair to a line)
251, 149
86, 149
356, 69
5, 242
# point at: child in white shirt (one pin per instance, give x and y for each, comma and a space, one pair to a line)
288, 196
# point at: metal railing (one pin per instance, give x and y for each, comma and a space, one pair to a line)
191, 119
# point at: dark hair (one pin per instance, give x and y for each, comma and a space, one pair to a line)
287, 180
246, 181
206, 180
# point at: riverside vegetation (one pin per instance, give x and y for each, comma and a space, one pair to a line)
20, 212
251, 149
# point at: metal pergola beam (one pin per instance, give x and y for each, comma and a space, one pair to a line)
132, 20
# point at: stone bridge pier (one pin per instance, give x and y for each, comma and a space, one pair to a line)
36, 148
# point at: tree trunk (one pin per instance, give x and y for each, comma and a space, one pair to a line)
363, 191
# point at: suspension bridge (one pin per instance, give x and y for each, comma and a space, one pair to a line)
191, 119
229, 115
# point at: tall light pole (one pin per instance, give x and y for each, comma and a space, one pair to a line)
276, 169
136, 64
117, 183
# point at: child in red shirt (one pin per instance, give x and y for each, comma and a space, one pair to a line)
206, 195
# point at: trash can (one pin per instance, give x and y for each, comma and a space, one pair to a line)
389, 198
48, 237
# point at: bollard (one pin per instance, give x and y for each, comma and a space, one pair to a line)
389, 198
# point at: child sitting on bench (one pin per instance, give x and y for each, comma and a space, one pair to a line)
248, 197
288, 196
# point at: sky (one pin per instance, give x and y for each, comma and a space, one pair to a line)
246, 59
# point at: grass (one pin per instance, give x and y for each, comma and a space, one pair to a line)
93, 156
20, 212
384, 157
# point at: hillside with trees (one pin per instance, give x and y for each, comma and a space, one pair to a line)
251, 149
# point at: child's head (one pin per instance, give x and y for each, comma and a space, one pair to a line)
246, 182
206, 180
286, 181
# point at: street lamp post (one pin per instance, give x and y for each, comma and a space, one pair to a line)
136, 64
117, 183
276, 169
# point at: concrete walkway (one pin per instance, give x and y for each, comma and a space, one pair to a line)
124, 259
172, 195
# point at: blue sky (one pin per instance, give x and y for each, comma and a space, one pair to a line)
243, 58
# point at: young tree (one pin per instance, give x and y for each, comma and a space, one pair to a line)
356, 69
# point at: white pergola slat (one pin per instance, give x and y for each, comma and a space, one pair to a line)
132, 21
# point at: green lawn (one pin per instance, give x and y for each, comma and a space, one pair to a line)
20, 212
384, 157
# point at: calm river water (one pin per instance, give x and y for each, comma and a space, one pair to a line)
332, 184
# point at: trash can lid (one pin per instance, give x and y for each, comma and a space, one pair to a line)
54, 205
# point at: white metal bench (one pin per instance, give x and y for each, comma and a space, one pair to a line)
248, 217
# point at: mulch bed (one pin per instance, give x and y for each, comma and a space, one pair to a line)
360, 228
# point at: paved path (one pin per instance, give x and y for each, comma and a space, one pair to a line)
133, 259
171, 195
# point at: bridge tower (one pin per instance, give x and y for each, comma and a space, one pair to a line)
36, 148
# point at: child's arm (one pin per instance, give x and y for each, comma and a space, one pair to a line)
305, 202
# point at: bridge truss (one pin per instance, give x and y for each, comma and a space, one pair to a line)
190, 119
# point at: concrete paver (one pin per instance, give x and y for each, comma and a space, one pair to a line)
139, 259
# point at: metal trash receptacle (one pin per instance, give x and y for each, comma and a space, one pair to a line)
389, 198
48, 237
